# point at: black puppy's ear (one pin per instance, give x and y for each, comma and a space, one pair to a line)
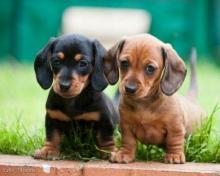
110, 62
42, 67
98, 79
174, 71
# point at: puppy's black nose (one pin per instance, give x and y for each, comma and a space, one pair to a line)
131, 88
64, 86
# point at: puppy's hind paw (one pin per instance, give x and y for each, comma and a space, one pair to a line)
47, 153
121, 157
175, 158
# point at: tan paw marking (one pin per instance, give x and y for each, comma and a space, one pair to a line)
47, 153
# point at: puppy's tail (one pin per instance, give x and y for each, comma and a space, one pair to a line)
193, 87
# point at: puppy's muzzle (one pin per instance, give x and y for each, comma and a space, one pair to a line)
131, 88
65, 86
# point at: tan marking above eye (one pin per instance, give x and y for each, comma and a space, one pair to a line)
88, 116
78, 57
61, 55
58, 115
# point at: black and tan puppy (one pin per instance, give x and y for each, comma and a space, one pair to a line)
72, 65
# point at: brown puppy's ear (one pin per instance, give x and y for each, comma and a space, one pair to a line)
42, 68
110, 62
98, 79
174, 71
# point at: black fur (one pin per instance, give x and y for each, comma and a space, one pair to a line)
90, 99
41, 65
93, 52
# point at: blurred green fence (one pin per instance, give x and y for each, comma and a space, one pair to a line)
26, 25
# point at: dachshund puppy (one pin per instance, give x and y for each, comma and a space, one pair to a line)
150, 111
72, 64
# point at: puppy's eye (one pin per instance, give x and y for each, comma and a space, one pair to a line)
83, 64
124, 64
150, 70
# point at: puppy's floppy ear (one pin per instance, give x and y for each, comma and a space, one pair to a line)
174, 71
110, 62
98, 79
42, 68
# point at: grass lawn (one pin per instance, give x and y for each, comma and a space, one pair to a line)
22, 112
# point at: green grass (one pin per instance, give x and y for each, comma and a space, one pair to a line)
204, 145
22, 112
18, 139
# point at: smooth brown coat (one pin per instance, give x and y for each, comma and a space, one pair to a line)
153, 113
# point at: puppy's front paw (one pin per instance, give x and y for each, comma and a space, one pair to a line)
47, 153
121, 157
106, 146
104, 155
175, 158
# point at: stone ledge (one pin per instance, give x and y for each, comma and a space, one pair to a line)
26, 166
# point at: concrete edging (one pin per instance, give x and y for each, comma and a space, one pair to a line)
26, 166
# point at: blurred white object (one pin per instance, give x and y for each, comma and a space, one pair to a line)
105, 24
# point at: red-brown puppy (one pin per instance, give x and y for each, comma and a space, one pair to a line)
150, 72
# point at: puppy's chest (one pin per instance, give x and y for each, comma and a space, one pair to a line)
149, 128
72, 111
